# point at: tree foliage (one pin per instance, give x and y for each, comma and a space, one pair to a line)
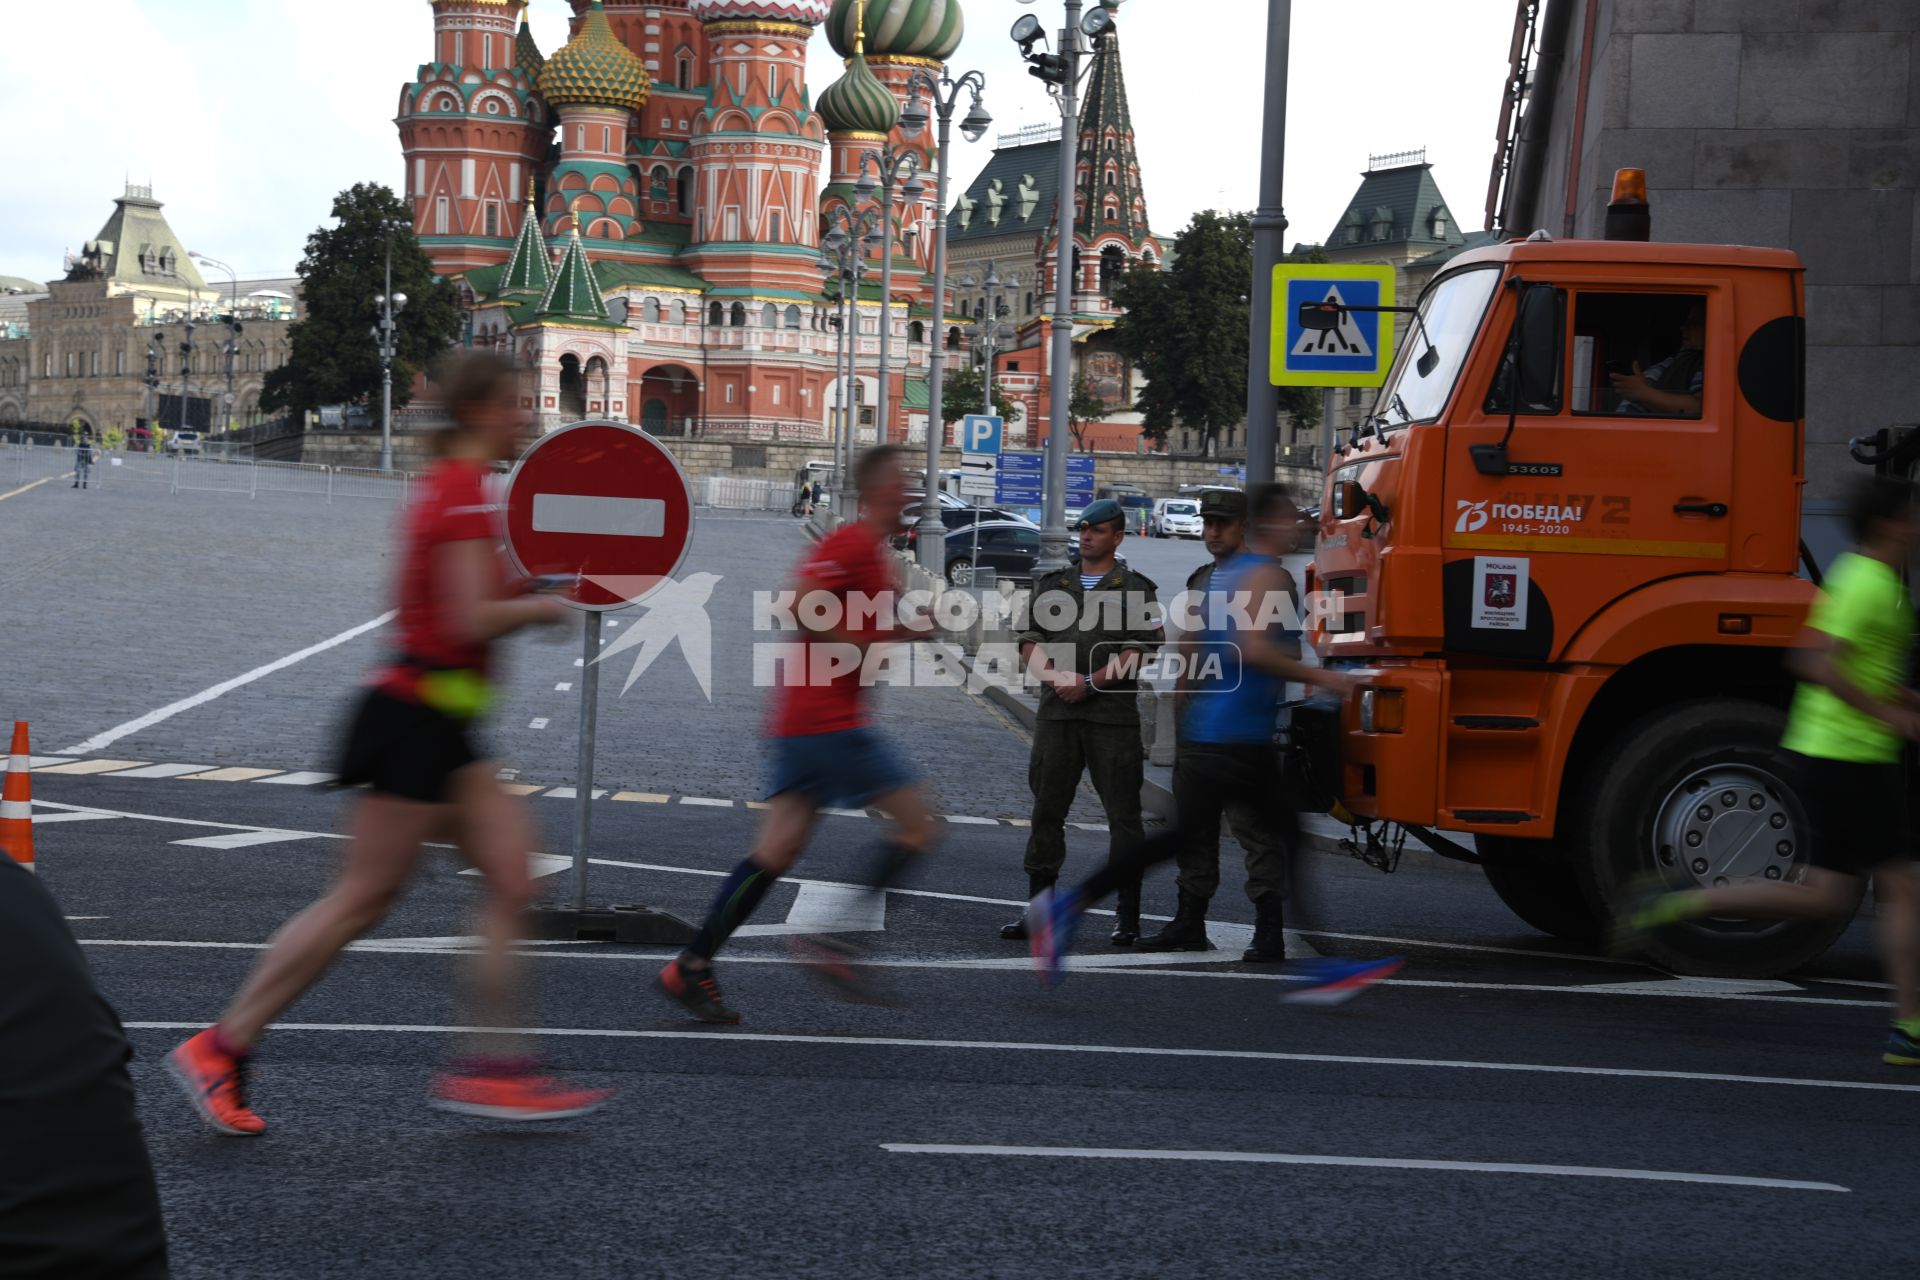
963, 391
1185, 329
1084, 408
334, 357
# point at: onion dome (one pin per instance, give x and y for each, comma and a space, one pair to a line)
806, 13
857, 102
898, 28
526, 54
595, 69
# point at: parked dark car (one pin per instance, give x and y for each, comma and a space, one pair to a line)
953, 518
1009, 548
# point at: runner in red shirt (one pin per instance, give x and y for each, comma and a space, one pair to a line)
825, 755
411, 743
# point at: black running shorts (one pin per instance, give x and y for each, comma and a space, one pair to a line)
405, 749
1859, 812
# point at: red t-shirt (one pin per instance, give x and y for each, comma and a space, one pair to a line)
454, 505
852, 561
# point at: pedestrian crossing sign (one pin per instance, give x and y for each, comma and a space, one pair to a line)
1317, 340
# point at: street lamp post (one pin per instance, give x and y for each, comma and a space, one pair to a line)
986, 329
389, 304
843, 260
892, 167
1062, 72
945, 94
1269, 247
154, 349
231, 347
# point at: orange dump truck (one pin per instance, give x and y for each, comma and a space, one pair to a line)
1567, 552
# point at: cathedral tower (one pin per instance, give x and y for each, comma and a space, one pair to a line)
596, 85
472, 130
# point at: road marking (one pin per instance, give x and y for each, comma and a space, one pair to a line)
538, 722
43, 819
164, 771
34, 762
599, 517
702, 800
1699, 986
113, 735
304, 779
518, 788
1092, 1050
972, 822
579, 662
32, 485
1359, 1162
565, 686
845, 813
539, 864
821, 908
572, 793
642, 797
91, 766
242, 839
231, 775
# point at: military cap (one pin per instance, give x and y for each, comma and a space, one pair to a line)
1100, 512
1223, 504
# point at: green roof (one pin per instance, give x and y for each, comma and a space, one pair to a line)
618, 275
1395, 206
1024, 181
574, 294
137, 247
917, 395
527, 270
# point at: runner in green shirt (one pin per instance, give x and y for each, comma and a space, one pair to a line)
1850, 718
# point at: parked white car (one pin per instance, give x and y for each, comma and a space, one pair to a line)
184, 442
1177, 518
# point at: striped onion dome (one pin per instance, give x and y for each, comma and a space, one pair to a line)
857, 102
595, 69
806, 13
899, 28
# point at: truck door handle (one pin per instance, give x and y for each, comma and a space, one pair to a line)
1714, 509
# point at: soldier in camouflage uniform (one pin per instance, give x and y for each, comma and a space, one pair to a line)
1224, 513
1084, 647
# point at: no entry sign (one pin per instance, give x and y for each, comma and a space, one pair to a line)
603, 500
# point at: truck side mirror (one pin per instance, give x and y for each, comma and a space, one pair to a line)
1538, 329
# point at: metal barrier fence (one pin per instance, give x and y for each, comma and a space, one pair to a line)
227, 468
734, 494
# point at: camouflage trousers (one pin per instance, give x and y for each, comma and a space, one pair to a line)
1199, 858
1062, 751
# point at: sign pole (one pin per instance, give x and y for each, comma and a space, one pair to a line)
583, 792
1269, 248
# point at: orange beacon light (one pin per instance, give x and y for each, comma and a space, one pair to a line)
1628, 215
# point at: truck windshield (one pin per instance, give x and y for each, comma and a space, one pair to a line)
1450, 315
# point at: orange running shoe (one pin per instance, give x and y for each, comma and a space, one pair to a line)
216, 1083
514, 1097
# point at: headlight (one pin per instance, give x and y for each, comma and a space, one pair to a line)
1383, 710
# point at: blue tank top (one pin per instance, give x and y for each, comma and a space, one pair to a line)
1232, 701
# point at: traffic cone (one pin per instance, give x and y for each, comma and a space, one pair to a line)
16, 802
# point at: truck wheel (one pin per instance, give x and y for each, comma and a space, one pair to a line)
1537, 881
1696, 796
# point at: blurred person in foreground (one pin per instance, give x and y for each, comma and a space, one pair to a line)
411, 742
1233, 757
1852, 714
77, 1197
825, 752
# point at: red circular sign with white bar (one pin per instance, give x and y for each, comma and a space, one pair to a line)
603, 500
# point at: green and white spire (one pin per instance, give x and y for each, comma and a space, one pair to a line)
527, 270
573, 295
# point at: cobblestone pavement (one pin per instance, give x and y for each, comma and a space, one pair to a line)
127, 598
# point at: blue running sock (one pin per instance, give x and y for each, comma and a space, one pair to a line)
745, 886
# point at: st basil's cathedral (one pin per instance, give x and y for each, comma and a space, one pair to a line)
637, 217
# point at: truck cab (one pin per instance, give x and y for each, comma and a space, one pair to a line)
1563, 558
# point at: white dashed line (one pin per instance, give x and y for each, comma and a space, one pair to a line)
538, 722
702, 800
973, 822
571, 793
303, 779
563, 687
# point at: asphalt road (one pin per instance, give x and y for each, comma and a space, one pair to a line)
1503, 1107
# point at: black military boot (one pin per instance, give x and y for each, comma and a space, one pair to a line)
1269, 941
1126, 929
1017, 931
1187, 932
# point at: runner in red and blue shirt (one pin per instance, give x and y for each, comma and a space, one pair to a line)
824, 752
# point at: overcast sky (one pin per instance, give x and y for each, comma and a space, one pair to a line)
248, 116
